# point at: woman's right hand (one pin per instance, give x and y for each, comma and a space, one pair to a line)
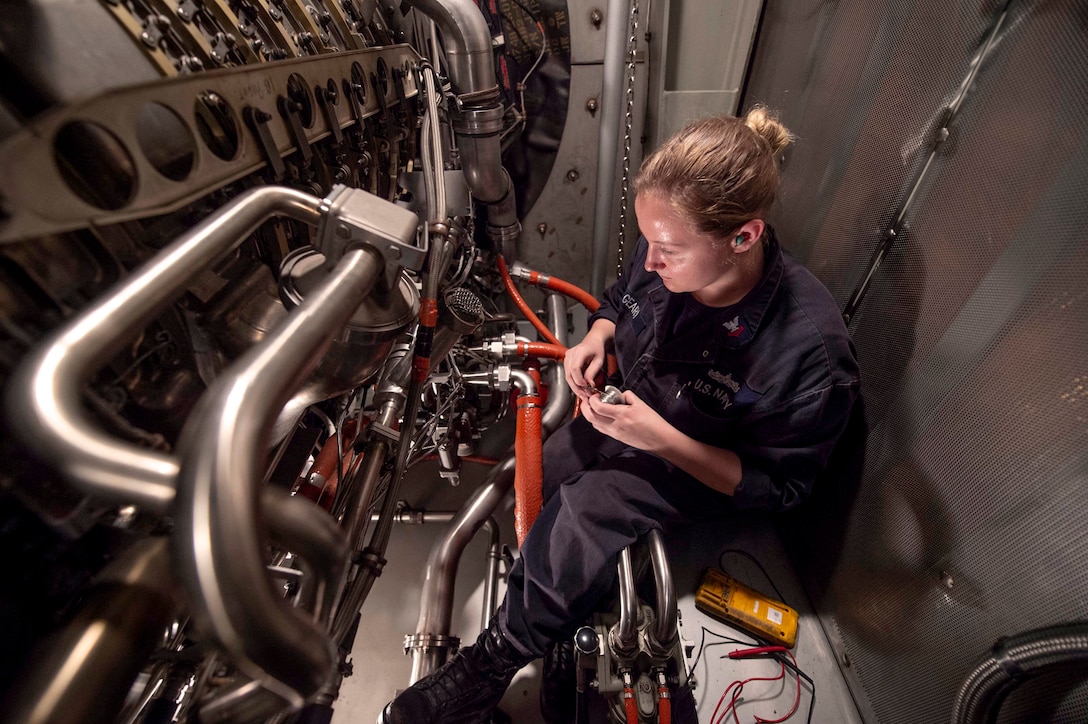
585, 360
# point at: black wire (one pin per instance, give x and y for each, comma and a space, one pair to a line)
788, 663
527, 11
755, 560
703, 645
539, 26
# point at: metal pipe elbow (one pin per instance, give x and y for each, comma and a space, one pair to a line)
217, 543
467, 43
45, 393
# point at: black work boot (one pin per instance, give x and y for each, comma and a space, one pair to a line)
559, 684
465, 690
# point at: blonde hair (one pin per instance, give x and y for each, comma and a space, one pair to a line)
718, 171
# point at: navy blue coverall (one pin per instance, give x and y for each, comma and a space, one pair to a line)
772, 378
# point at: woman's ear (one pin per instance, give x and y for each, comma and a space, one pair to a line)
748, 235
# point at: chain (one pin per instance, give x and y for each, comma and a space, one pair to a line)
629, 92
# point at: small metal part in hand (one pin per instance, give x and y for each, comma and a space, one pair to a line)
612, 395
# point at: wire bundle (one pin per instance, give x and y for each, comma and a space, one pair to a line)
754, 648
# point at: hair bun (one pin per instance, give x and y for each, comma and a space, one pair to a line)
767, 125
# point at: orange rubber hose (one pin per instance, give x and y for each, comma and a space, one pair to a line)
539, 349
528, 465
576, 293
521, 305
563, 287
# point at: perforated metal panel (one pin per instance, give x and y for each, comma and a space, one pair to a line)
971, 519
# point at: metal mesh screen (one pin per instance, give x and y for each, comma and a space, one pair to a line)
973, 338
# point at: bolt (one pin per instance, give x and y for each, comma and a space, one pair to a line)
591, 105
595, 17
947, 580
542, 228
844, 659
343, 231
572, 175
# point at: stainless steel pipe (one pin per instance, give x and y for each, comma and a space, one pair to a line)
436, 600
623, 636
44, 397
217, 546
467, 43
617, 18
664, 633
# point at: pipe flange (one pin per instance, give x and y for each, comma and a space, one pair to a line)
478, 121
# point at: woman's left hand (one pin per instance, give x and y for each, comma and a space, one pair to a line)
634, 423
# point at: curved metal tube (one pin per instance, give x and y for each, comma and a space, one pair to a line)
467, 42
217, 508
664, 633
439, 576
45, 393
623, 636
1012, 662
441, 569
489, 182
617, 16
316, 538
436, 599
85, 672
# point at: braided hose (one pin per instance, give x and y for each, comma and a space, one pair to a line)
664, 705
1014, 660
520, 302
630, 705
528, 466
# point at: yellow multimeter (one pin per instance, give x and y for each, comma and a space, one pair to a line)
730, 601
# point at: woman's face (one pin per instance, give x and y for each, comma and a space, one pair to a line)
685, 259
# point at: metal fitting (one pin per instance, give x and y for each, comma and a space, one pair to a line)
350, 217
486, 121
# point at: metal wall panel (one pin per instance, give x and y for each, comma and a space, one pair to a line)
968, 522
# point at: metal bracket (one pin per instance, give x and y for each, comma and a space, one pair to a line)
257, 120
352, 216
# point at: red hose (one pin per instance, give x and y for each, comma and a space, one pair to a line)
521, 305
539, 349
664, 705
562, 287
569, 290
630, 705
528, 466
